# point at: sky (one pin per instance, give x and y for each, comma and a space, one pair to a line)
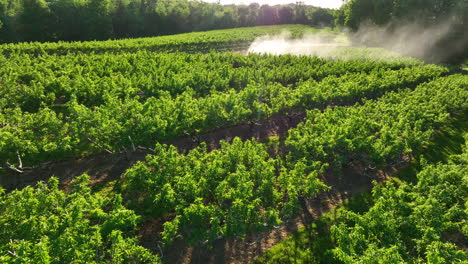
321, 3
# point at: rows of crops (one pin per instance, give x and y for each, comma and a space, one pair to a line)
226, 192
47, 225
221, 40
411, 222
31, 82
399, 222
73, 99
62, 106
240, 188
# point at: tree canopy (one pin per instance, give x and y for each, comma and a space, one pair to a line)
71, 20
441, 24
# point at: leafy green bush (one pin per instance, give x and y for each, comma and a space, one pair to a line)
57, 106
223, 193
43, 224
239, 188
410, 223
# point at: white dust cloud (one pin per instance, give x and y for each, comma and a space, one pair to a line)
410, 40
312, 44
435, 43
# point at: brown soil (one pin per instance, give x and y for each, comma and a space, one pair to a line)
259, 130
104, 167
101, 167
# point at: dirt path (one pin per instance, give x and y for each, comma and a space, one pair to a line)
106, 167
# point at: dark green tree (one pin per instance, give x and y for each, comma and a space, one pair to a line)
286, 15
320, 17
98, 22
71, 20
35, 20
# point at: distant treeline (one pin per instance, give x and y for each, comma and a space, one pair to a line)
382, 12
445, 21
71, 20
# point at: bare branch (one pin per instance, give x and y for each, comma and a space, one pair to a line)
99, 145
160, 250
133, 145
143, 148
19, 160
11, 167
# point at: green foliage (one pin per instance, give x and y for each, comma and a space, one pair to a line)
220, 40
402, 224
410, 223
378, 132
35, 20
381, 12
239, 188
43, 224
222, 193
101, 94
58, 106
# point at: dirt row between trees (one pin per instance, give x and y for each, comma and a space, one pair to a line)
104, 167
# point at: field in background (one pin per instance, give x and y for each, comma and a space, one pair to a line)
237, 39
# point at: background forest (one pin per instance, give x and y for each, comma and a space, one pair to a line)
69, 20
80, 20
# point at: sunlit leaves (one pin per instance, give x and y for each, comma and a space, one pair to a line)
43, 224
409, 222
79, 99
223, 193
